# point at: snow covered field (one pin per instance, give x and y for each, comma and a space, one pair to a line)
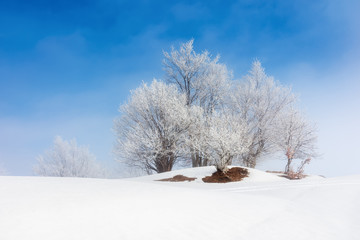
262, 206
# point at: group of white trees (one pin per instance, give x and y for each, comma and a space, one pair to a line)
198, 116
201, 116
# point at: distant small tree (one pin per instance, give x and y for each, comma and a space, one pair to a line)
3, 171
296, 138
152, 126
67, 159
299, 173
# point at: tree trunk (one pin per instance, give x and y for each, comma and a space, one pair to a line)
287, 167
198, 160
164, 163
249, 161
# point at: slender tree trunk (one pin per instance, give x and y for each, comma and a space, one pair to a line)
193, 158
287, 167
205, 162
196, 159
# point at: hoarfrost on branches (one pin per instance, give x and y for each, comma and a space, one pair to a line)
203, 80
185, 68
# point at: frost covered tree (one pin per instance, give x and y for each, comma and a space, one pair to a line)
259, 100
204, 81
296, 138
67, 159
225, 140
152, 127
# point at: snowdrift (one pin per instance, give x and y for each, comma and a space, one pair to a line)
200, 172
262, 206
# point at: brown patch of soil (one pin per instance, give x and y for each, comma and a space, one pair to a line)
234, 174
177, 178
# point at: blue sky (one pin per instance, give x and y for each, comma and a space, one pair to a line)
66, 66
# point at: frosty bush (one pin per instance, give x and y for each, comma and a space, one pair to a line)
67, 159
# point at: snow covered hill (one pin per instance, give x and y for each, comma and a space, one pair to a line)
262, 206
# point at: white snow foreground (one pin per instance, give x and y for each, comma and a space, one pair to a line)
262, 206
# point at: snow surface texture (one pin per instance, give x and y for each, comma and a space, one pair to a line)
262, 206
